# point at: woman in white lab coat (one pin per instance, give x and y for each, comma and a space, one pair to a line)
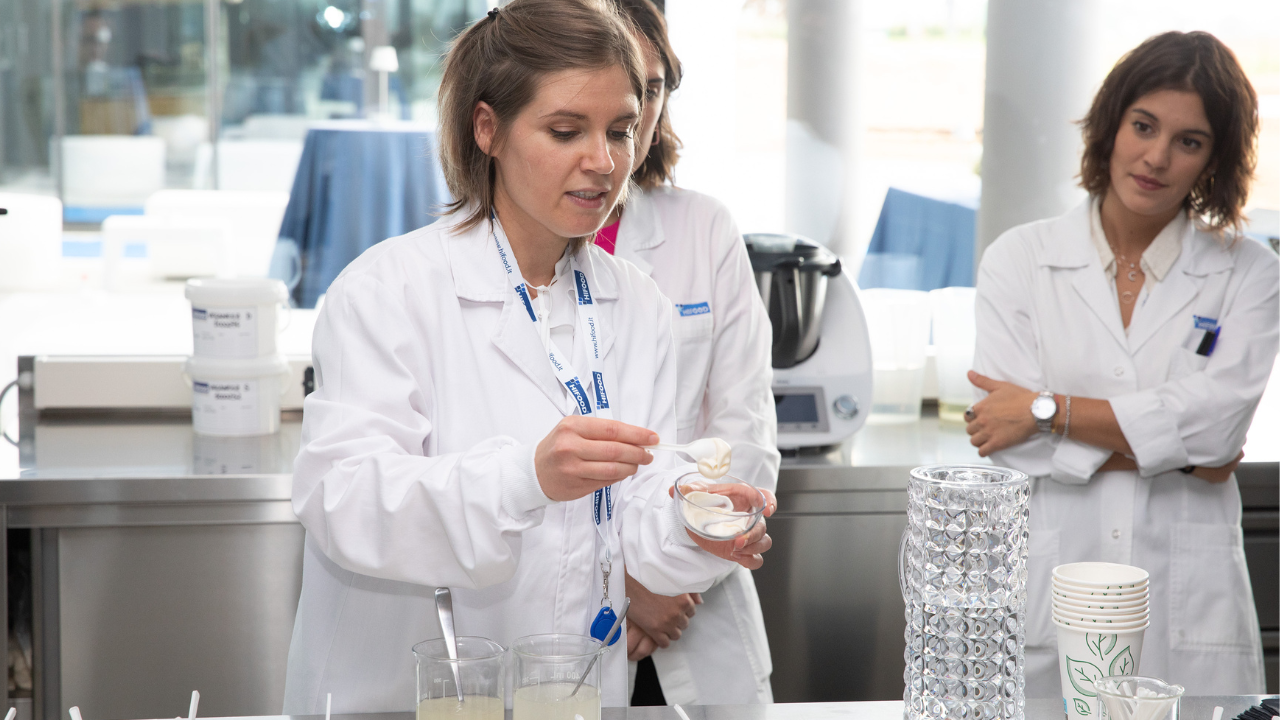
689, 244
440, 447
1124, 347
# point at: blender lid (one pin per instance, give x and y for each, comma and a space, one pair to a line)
774, 251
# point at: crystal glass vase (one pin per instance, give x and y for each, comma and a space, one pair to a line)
963, 569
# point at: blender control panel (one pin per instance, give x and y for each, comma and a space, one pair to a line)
801, 409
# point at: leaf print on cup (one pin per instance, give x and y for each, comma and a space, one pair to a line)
1100, 644
1083, 675
1122, 663
1082, 707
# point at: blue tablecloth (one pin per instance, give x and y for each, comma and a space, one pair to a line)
358, 183
920, 244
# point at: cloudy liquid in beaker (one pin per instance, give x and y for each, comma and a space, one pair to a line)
551, 701
473, 707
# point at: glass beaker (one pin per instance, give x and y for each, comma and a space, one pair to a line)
479, 668
1131, 697
963, 569
547, 667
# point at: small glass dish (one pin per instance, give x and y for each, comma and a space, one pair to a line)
718, 520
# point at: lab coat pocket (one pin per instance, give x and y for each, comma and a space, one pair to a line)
693, 337
1042, 558
1211, 600
1185, 362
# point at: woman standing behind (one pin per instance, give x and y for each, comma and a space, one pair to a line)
689, 244
1124, 347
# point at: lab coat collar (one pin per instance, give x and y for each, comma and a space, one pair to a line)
477, 271
1203, 255
1068, 244
640, 230
478, 276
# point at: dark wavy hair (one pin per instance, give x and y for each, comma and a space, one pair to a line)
660, 162
500, 60
1194, 62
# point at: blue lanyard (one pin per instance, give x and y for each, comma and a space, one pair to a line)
591, 328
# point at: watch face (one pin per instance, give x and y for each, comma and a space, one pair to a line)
1043, 408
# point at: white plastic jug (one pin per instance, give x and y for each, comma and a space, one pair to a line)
236, 318
236, 398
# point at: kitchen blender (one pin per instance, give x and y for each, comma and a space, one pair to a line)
821, 348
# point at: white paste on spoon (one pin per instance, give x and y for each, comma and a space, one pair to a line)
716, 465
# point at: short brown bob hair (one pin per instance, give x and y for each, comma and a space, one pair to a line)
661, 158
500, 60
1194, 62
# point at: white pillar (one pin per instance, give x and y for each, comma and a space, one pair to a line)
1040, 80
823, 125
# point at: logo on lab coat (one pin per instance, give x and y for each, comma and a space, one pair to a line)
690, 309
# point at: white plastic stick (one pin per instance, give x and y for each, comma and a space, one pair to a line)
680, 711
1217, 712
75, 712
195, 703
13, 713
328, 705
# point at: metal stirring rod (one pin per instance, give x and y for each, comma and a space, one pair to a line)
444, 608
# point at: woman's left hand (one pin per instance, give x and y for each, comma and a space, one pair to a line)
747, 549
1003, 418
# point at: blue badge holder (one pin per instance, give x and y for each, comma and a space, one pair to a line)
603, 622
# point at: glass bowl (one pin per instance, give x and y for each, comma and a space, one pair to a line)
733, 512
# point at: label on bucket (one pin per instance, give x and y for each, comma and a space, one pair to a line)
225, 332
226, 407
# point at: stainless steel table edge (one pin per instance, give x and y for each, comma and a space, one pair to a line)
1193, 708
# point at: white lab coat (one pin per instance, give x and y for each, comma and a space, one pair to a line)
1047, 319
689, 244
416, 470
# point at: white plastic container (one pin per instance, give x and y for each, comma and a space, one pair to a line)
236, 318
236, 398
898, 324
954, 336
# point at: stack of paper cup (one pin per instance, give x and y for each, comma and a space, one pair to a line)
237, 375
1101, 611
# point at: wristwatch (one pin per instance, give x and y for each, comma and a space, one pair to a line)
1043, 409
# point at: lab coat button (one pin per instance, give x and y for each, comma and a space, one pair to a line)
1119, 372
1116, 533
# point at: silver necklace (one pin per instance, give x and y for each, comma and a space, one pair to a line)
1134, 273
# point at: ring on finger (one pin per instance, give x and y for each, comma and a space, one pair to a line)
968, 413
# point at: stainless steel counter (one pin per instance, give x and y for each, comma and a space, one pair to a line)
1192, 708
163, 562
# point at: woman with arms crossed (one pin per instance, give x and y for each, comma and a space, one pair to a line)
1123, 349
689, 244
441, 447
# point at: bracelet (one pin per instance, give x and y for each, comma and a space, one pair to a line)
1066, 423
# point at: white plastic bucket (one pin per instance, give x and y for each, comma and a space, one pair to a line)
236, 398
235, 318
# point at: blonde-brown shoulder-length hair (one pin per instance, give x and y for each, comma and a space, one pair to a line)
500, 60
1195, 62
661, 158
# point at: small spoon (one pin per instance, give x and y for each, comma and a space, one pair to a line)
705, 452
617, 624
444, 608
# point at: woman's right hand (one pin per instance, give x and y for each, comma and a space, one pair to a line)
583, 454
1218, 474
